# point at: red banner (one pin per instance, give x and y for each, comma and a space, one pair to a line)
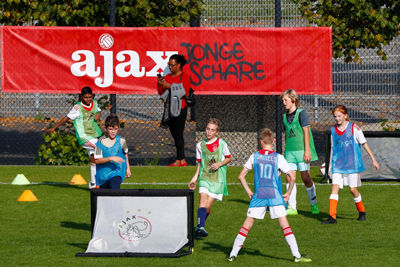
243, 61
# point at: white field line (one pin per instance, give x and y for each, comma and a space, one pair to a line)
317, 184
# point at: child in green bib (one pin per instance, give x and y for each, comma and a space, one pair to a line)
85, 114
212, 155
299, 148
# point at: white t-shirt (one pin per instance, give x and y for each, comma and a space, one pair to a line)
74, 112
212, 145
283, 165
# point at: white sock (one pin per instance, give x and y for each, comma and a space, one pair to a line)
334, 196
92, 172
357, 199
291, 240
238, 244
312, 194
292, 203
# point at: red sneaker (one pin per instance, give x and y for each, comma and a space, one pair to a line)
183, 164
177, 163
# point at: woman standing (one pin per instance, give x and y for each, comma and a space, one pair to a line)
177, 84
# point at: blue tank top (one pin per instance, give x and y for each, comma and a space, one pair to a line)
267, 181
346, 156
111, 169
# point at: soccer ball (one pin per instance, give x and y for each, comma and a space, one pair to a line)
98, 245
322, 169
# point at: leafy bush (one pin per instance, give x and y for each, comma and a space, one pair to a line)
61, 148
389, 127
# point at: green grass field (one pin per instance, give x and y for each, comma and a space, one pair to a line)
51, 231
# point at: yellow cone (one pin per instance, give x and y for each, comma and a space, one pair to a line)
27, 195
77, 179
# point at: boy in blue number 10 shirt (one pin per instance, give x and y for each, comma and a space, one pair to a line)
267, 193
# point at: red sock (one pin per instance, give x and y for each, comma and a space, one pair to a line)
333, 208
360, 206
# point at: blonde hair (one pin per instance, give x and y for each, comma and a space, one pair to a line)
214, 121
291, 93
341, 109
267, 136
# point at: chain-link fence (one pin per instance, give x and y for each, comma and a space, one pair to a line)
370, 90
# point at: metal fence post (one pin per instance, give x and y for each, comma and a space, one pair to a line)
278, 103
113, 97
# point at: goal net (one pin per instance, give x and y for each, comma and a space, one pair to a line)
141, 222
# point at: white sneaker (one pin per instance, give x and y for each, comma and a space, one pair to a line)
92, 185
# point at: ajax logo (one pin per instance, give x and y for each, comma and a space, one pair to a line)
106, 41
123, 64
134, 228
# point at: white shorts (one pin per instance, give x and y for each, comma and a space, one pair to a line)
274, 212
90, 146
213, 195
347, 179
301, 166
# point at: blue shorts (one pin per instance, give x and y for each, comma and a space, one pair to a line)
112, 183
300, 166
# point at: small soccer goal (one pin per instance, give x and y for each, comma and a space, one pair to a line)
141, 223
386, 149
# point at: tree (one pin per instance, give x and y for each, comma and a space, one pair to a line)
130, 13
355, 24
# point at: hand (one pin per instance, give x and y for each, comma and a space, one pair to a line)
215, 166
116, 159
286, 197
49, 131
307, 156
163, 83
376, 164
192, 184
250, 194
128, 173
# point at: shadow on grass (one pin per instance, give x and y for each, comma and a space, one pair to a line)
66, 185
322, 216
82, 246
77, 226
247, 202
243, 251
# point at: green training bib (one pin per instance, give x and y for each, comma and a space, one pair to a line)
214, 181
86, 127
294, 148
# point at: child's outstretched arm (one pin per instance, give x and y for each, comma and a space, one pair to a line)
61, 122
242, 179
374, 162
192, 183
292, 181
217, 165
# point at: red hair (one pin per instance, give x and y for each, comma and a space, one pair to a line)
342, 109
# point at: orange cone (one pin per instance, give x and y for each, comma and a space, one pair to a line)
27, 195
77, 179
